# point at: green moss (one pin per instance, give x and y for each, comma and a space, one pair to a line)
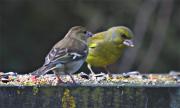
18, 92
35, 90
68, 101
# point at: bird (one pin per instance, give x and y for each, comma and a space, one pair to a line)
67, 55
107, 47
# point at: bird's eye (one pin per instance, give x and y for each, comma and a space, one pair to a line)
123, 36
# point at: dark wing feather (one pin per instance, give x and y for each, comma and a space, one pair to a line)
63, 56
55, 54
59, 56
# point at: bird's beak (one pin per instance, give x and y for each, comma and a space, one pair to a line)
89, 34
128, 42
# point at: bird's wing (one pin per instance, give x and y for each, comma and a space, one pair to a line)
97, 38
65, 55
58, 56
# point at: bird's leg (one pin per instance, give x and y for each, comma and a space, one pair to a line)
58, 69
108, 72
93, 75
74, 82
59, 79
89, 67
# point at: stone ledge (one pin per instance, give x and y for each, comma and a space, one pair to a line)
89, 97
118, 92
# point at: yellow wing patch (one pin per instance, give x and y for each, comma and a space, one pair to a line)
97, 38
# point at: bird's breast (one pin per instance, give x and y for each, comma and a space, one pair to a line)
74, 66
104, 54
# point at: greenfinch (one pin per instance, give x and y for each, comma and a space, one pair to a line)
68, 55
106, 47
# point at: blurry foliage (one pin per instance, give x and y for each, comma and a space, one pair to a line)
28, 30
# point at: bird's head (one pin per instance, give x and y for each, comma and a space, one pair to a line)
122, 36
79, 32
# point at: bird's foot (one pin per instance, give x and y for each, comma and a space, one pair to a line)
97, 77
94, 77
84, 75
129, 74
59, 81
72, 79
109, 76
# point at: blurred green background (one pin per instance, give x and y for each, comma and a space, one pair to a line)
28, 30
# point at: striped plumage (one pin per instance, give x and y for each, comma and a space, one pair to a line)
68, 55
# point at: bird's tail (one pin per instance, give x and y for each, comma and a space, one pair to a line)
42, 70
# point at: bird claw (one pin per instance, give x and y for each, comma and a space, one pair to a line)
97, 77
84, 75
128, 74
94, 77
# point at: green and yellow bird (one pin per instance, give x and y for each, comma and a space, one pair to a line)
106, 47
